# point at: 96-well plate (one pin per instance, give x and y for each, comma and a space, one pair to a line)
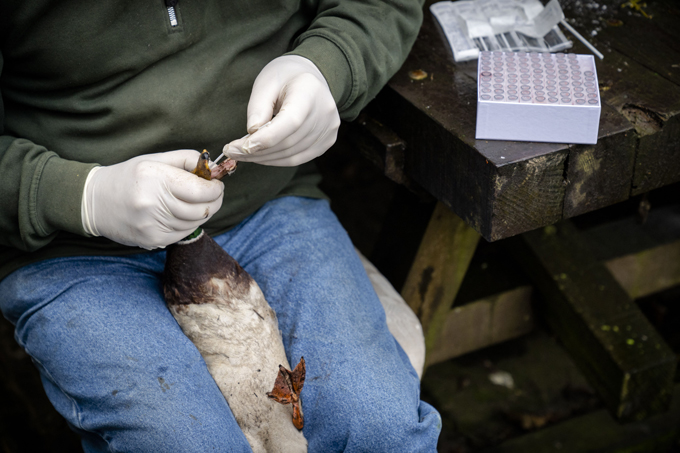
537, 97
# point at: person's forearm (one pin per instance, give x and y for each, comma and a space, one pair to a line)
40, 194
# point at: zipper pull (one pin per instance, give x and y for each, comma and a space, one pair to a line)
170, 4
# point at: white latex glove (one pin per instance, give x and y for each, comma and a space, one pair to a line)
292, 117
149, 201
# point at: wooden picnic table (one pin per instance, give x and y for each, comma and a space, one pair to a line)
504, 188
423, 131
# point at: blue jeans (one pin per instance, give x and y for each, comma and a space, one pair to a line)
116, 365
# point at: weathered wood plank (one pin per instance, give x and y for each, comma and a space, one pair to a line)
498, 200
629, 235
651, 41
649, 271
436, 119
438, 269
435, 159
598, 432
634, 80
508, 314
600, 175
663, 15
642, 258
380, 145
657, 162
649, 101
527, 195
618, 350
483, 323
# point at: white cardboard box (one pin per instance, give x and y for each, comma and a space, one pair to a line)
537, 97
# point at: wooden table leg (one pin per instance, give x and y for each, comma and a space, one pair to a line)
618, 350
438, 270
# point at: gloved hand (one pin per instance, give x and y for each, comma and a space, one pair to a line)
306, 122
149, 201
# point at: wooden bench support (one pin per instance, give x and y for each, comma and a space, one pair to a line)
438, 270
643, 257
649, 271
618, 350
380, 145
643, 266
483, 323
509, 314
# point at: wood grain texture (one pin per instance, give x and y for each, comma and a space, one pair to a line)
648, 271
509, 314
527, 195
658, 160
600, 175
380, 145
651, 41
638, 80
643, 257
652, 105
494, 185
438, 270
482, 323
439, 161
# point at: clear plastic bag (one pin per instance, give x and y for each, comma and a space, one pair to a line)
472, 26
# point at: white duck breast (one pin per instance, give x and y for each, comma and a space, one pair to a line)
222, 310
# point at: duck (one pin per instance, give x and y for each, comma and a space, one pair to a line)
223, 311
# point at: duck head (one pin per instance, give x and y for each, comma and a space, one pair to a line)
203, 170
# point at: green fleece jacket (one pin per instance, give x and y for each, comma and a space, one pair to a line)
97, 83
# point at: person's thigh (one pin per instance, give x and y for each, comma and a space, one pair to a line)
361, 392
113, 360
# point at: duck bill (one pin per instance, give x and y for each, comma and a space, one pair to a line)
203, 166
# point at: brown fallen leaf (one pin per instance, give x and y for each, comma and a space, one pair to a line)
287, 388
418, 74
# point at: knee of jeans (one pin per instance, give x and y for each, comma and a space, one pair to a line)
388, 425
168, 427
185, 433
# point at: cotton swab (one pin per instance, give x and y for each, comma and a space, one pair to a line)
582, 39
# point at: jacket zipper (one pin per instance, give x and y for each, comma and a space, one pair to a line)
172, 15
